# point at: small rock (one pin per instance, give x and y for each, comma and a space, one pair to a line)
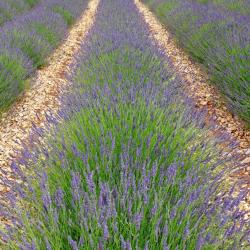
203, 103
246, 161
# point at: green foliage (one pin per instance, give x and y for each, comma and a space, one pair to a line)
164, 8
66, 15
32, 3
46, 33
33, 47
113, 59
241, 6
4, 16
11, 79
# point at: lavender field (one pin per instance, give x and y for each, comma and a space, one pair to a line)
128, 161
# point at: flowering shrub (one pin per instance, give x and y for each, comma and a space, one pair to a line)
124, 165
32, 36
216, 33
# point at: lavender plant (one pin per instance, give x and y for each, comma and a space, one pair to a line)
241, 6
34, 35
9, 9
216, 33
14, 69
124, 165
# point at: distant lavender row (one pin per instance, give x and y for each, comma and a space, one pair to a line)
217, 37
29, 39
240, 6
11, 8
126, 165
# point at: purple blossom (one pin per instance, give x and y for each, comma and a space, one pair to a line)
137, 220
75, 185
48, 246
105, 232
73, 243
59, 197
123, 243
46, 198
90, 182
200, 243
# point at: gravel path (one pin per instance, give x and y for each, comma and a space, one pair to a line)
196, 85
47, 86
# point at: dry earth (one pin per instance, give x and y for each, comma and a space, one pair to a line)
196, 85
48, 84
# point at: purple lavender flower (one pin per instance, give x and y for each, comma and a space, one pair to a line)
59, 197
73, 243
105, 232
90, 182
137, 220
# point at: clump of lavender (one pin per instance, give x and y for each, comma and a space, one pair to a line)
11, 8
14, 67
216, 33
126, 165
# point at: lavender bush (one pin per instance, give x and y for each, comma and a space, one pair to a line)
216, 33
13, 66
124, 165
33, 36
11, 8
241, 6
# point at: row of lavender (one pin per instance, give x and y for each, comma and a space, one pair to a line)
217, 34
11, 8
126, 165
27, 41
240, 6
